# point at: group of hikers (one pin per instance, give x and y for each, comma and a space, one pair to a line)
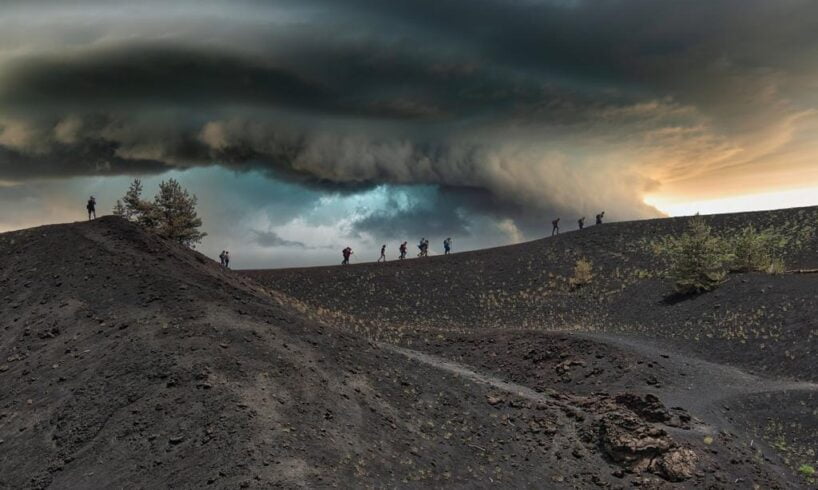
581, 222
423, 246
224, 258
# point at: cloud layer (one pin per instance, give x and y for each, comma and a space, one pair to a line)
513, 110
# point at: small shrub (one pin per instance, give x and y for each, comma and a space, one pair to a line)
757, 251
806, 470
583, 273
697, 258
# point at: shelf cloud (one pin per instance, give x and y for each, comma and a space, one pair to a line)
538, 106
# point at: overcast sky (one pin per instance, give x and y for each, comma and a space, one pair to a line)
307, 125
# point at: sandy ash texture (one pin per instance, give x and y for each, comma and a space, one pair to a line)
512, 311
127, 361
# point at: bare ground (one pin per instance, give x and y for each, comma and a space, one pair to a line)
126, 361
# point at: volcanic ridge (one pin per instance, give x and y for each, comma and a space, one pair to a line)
130, 361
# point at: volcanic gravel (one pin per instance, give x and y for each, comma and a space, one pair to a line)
128, 361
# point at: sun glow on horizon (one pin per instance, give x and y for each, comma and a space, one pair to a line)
792, 198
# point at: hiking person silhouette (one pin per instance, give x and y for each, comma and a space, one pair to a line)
581, 222
422, 247
556, 229
346, 253
221, 258
227, 258
91, 207
599, 217
383, 254
402, 250
447, 246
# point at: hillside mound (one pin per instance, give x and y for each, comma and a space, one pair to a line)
129, 361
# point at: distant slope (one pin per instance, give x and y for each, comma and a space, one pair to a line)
766, 324
128, 361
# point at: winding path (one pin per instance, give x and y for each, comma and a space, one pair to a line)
704, 386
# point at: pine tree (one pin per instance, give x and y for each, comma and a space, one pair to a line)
173, 214
698, 259
758, 250
131, 206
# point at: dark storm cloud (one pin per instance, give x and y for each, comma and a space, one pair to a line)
89, 157
539, 106
134, 77
393, 83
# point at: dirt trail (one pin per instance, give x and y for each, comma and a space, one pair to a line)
709, 419
471, 375
709, 383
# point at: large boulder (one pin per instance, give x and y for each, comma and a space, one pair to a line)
641, 447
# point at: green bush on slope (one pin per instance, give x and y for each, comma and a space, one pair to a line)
757, 251
698, 258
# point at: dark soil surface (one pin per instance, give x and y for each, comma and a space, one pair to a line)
127, 361
764, 323
512, 311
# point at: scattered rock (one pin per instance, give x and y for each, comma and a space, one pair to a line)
648, 407
677, 465
494, 400
628, 440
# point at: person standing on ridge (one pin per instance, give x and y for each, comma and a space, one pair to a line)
346, 252
447, 246
92, 208
556, 229
402, 250
382, 258
599, 217
221, 258
227, 258
581, 222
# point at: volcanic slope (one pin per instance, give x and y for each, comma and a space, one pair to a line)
129, 361
765, 323
741, 359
